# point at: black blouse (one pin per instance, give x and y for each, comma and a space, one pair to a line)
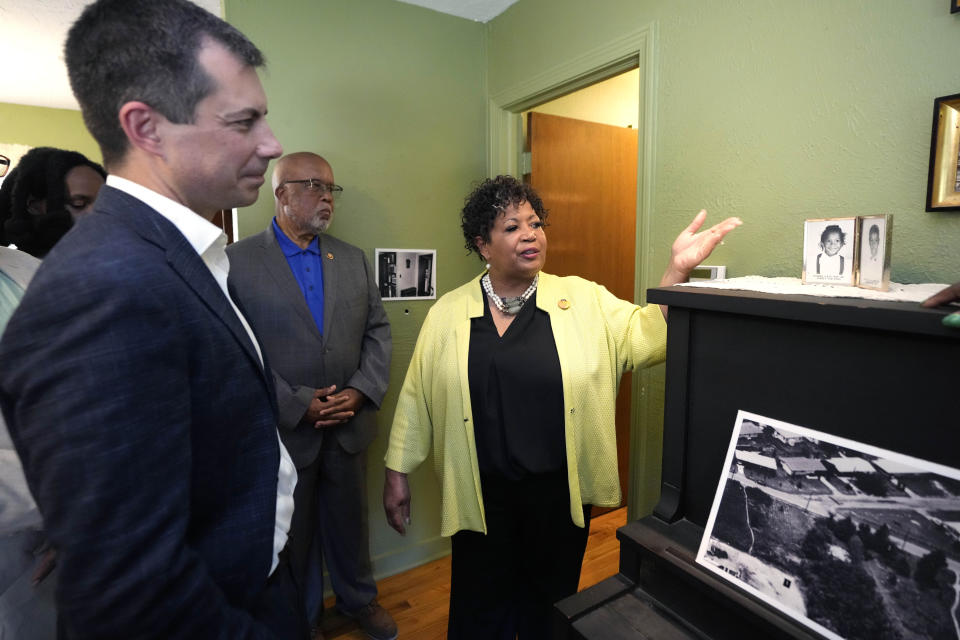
516, 390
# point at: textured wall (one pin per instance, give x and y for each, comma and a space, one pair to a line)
773, 111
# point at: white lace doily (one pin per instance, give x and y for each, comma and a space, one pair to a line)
897, 293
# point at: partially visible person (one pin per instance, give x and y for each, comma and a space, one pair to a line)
830, 262
135, 392
27, 609
45, 194
512, 384
39, 201
314, 303
946, 296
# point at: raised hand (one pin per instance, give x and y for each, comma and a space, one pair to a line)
692, 247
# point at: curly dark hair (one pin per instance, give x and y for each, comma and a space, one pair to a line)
40, 174
833, 228
491, 198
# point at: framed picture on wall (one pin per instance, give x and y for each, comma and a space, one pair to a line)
829, 255
943, 177
407, 274
876, 247
954, 6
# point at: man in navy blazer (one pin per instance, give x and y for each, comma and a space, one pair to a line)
135, 391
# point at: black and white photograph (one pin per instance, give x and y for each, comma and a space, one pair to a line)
853, 541
828, 251
956, 186
407, 274
876, 234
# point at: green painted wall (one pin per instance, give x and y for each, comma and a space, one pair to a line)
774, 112
393, 96
41, 126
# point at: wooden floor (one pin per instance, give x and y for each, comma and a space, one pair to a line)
418, 599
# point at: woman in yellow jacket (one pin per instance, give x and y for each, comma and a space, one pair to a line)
512, 384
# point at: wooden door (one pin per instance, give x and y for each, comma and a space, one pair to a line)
586, 174
224, 220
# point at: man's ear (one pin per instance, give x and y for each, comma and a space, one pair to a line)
141, 123
282, 195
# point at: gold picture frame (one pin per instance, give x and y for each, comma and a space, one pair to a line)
943, 180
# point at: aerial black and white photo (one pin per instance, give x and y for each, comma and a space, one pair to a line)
854, 541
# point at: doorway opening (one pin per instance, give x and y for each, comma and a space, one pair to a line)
580, 154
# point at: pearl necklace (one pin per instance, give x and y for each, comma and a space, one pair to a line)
509, 306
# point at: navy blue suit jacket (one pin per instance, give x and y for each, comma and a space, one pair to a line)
147, 429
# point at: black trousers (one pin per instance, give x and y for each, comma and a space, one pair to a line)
280, 606
504, 584
330, 527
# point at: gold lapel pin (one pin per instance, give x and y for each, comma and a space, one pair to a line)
564, 304
329, 256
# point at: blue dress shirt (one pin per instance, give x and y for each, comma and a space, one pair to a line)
307, 267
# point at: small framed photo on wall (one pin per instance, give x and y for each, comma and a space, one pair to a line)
876, 247
829, 255
407, 274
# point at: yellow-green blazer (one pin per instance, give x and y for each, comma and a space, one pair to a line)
598, 337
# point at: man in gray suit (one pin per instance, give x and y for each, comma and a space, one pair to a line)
315, 307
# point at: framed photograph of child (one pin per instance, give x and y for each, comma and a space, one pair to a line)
876, 246
829, 255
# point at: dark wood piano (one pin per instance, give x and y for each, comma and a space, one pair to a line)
882, 373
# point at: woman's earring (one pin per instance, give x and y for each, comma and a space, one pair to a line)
488, 266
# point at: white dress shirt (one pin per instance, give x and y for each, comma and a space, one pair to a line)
209, 242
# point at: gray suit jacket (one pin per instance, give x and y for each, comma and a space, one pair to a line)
354, 352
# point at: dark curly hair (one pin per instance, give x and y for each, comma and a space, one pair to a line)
491, 198
40, 174
833, 228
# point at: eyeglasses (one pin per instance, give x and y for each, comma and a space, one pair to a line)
314, 185
4, 165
